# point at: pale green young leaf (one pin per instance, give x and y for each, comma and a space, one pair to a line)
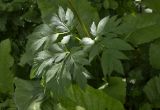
65, 39
59, 25
69, 16
61, 14
101, 25
86, 41
54, 37
93, 29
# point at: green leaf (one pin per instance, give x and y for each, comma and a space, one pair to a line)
152, 91
133, 22
26, 58
95, 50
9, 104
145, 35
110, 61
107, 64
90, 99
116, 43
113, 4
116, 84
146, 106
42, 66
6, 61
79, 76
110, 4
50, 104
112, 26
87, 14
38, 38
116, 54
154, 55
118, 67
38, 43
43, 55
58, 75
58, 85
28, 94
52, 72
139, 28
106, 4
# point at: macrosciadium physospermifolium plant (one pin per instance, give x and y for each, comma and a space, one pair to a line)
61, 53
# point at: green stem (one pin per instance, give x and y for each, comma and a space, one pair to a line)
79, 19
78, 38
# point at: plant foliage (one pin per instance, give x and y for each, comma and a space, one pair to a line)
79, 55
